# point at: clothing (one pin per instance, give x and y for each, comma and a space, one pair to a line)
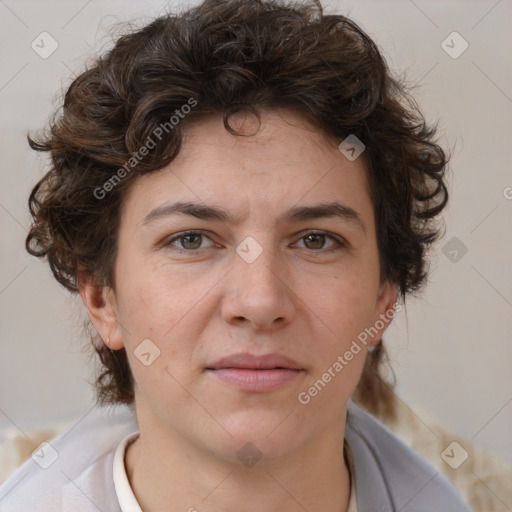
128, 501
388, 475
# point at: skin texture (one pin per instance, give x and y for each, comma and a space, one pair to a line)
304, 297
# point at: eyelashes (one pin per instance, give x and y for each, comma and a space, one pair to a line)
186, 234
337, 242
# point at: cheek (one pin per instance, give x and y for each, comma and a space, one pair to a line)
346, 304
151, 301
339, 345
342, 342
163, 307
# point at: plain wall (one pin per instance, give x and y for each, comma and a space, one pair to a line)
453, 358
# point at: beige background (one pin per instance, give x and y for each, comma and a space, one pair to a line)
452, 358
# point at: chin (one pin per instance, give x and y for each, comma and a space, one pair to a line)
262, 434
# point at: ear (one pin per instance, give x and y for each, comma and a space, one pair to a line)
100, 302
385, 309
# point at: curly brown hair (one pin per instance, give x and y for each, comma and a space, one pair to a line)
228, 56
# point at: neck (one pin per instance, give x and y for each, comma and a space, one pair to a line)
170, 473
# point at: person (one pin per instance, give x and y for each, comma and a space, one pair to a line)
243, 195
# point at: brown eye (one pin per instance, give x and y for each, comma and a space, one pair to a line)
317, 241
188, 241
191, 241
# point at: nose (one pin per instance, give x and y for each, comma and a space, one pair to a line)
259, 293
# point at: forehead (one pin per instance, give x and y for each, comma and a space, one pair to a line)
286, 132
280, 162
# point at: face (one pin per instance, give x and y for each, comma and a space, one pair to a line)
261, 278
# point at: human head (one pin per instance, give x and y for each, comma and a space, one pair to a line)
219, 58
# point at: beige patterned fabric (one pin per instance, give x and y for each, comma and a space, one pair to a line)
483, 479
16, 448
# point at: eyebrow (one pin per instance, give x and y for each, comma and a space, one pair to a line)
295, 214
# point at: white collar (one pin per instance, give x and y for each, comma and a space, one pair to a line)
127, 500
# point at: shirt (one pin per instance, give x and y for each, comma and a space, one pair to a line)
127, 500
74, 471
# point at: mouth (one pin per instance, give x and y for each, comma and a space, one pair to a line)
247, 372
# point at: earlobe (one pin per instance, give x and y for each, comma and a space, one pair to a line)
101, 307
385, 309
388, 295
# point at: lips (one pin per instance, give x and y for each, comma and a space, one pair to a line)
248, 372
252, 362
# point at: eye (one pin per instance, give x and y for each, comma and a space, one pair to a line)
191, 241
188, 240
316, 240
